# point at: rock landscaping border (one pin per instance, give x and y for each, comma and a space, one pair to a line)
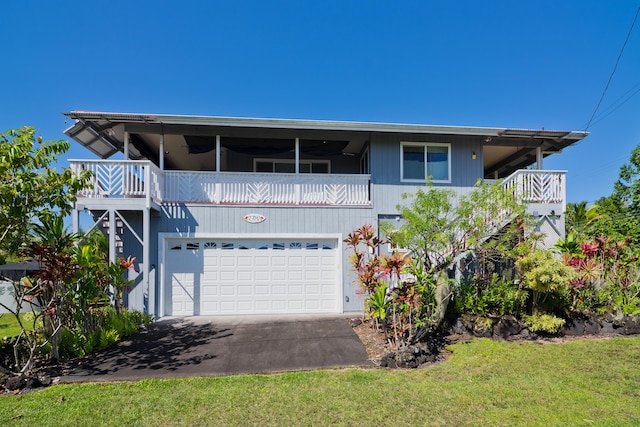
504, 328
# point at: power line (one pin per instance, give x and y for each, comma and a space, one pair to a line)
615, 67
616, 104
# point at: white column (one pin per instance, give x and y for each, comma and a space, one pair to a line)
298, 194
217, 153
297, 155
146, 258
112, 235
75, 217
126, 145
539, 158
161, 153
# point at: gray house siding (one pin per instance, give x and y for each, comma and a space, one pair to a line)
385, 158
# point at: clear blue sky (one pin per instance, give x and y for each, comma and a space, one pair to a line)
481, 63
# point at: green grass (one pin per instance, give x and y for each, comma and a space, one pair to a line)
590, 382
9, 325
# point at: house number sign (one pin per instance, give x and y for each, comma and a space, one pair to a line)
254, 218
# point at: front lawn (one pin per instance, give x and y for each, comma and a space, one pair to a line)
588, 382
9, 325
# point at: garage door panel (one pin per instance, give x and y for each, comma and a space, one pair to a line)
278, 261
261, 276
262, 289
278, 275
295, 275
295, 261
278, 290
245, 261
244, 290
226, 290
227, 261
261, 261
227, 276
244, 277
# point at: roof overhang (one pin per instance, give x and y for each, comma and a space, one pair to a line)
103, 132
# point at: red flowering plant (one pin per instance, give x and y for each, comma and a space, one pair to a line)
607, 276
394, 298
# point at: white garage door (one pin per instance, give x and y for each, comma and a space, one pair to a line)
209, 276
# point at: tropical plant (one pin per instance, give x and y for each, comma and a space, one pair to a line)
377, 304
31, 188
547, 323
544, 274
498, 297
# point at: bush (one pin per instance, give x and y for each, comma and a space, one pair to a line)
499, 297
112, 327
543, 323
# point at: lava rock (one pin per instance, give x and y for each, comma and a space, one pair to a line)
631, 325
506, 327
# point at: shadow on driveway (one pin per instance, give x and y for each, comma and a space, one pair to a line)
183, 347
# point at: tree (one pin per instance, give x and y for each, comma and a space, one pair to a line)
438, 229
31, 188
580, 217
627, 188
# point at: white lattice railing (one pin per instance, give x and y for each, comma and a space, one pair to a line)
121, 179
538, 186
130, 179
266, 188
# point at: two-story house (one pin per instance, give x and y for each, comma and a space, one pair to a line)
247, 216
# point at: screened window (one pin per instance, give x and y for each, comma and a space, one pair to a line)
289, 166
418, 161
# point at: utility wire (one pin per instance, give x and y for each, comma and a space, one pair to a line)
615, 105
615, 67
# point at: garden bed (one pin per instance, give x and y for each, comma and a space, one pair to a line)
503, 328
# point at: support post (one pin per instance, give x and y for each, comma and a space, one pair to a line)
161, 153
218, 187
217, 153
297, 155
75, 218
149, 288
126, 145
297, 185
539, 158
112, 235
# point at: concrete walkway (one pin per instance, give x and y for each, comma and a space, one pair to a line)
201, 346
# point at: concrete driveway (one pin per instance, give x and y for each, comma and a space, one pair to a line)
201, 346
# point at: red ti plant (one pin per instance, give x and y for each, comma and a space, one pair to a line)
364, 261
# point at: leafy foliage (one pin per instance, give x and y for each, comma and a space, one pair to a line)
543, 323
31, 189
398, 296
499, 296
544, 274
438, 229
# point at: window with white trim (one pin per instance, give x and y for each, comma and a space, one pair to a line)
289, 166
420, 160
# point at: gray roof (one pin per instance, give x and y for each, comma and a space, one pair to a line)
103, 132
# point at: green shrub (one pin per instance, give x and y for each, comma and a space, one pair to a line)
111, 328
72, 344
499, 297
107, 338
543, 323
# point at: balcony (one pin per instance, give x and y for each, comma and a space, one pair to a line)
132, 180
538, 187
